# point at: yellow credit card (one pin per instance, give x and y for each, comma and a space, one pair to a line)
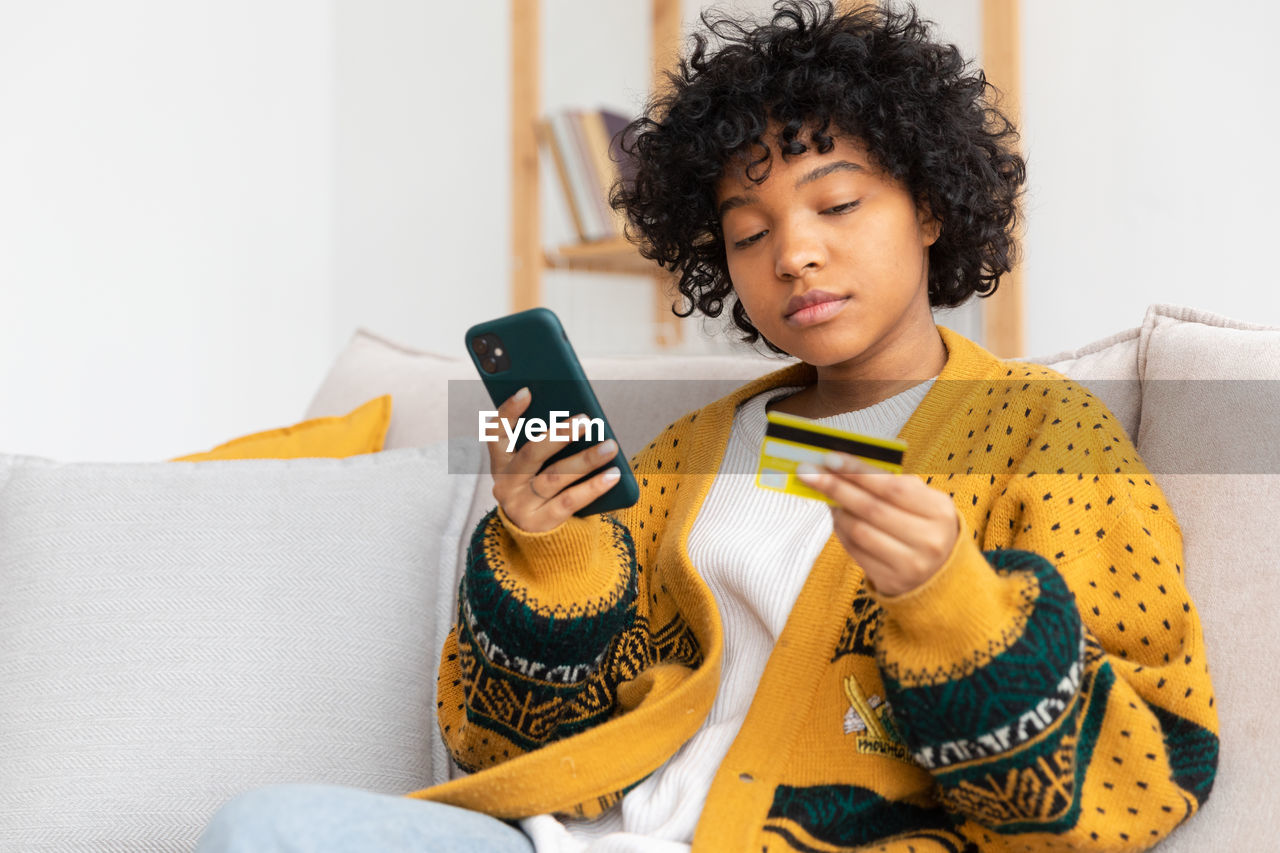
790, 440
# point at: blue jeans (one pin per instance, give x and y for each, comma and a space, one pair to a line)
304, 818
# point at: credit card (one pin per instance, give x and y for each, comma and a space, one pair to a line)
791, 439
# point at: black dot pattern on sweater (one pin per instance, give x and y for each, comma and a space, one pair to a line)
1052, 472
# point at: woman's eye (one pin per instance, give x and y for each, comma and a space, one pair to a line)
843, 208
742, 244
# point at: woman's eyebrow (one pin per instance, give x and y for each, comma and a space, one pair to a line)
822, 171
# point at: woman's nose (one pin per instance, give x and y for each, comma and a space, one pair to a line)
798, 253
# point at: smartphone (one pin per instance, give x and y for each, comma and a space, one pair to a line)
530, 349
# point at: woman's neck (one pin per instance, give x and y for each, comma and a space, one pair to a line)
850, 386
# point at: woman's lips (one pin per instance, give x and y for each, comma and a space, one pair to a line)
817, 313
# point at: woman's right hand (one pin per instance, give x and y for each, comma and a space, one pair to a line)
539, 502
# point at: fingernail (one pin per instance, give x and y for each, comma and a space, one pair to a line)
612, 474
521, 395
609, 448
807, 472
834, 461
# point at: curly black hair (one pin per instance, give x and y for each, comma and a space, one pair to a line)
871, 73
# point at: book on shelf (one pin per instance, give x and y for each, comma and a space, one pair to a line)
547, 133
585, 147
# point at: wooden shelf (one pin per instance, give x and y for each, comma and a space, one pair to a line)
613, 255
618, 256
1003, 315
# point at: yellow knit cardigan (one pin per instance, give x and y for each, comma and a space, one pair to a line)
1046, 689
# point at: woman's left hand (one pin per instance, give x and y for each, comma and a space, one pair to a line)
899, 530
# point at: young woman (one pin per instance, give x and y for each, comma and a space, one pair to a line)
992, 650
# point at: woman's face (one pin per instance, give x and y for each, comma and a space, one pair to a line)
831, 230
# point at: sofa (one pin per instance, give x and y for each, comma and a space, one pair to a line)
172, 633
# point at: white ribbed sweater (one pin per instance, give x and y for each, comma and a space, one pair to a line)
755, 581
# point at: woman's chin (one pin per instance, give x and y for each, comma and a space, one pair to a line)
819, 355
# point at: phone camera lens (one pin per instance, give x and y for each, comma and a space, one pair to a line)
490, 364
480, 345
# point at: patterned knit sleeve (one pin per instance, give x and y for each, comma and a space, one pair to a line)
552, 634
1052, 676
536, 613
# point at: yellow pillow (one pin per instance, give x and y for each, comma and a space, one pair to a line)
362, 430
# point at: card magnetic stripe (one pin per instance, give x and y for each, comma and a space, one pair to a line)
827, 441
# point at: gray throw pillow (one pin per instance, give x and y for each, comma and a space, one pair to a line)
174, 633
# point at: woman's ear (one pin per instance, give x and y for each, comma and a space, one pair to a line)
930, 225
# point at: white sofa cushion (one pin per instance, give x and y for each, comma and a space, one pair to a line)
174, 633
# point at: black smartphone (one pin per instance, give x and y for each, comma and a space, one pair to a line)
530, 350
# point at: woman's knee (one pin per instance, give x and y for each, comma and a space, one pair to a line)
332, 817
263, 819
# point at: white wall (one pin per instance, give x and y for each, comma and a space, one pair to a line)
1148, 127
165, 222
422, 164
200, 201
